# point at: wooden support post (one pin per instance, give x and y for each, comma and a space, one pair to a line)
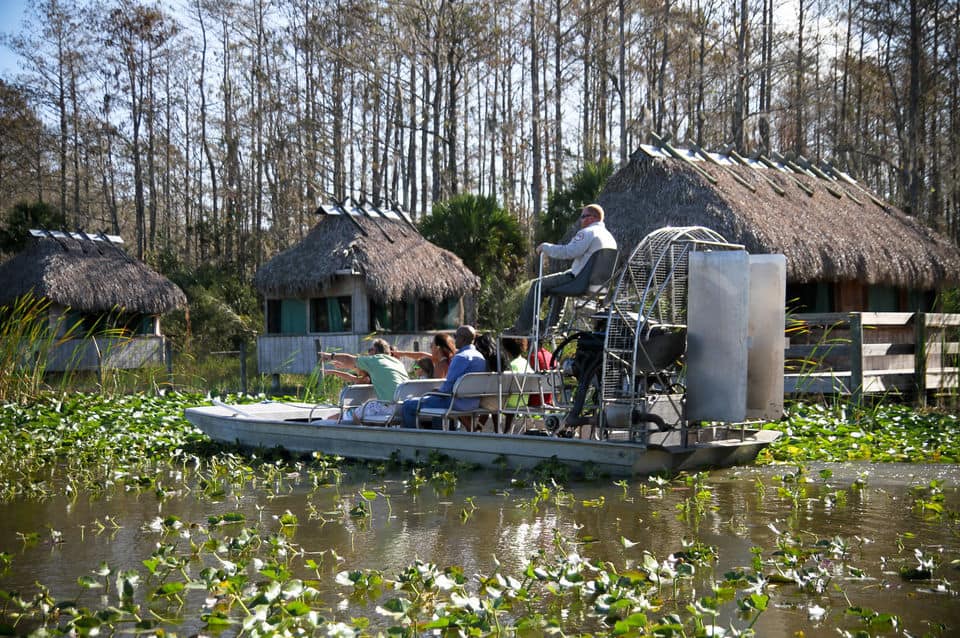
318, 346
168, 358
243, 367
96, 347
856, 358
920, 357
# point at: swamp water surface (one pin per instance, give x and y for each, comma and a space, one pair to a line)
864, 525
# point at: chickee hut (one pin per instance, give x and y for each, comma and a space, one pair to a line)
360, 270
106, 303
846, 249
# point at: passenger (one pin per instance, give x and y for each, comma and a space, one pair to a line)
540, 361
467, 359
442, 349
591, 237
515, 347
423, 368
495, 363
379, 367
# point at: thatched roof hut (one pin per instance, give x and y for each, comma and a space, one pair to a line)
87, 274
830, 228
384, 250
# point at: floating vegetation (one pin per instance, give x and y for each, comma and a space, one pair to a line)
138, 524
886, 433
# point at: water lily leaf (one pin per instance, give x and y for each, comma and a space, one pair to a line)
915, 573
169, 589
87, 622
630, 623
216, 620
88, 582
293, 588
297, 608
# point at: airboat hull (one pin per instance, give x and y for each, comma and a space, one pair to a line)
274, 425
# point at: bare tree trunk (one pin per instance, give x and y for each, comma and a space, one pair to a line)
913, 166
662, 71
454, 69
558, 93
622, 79
79, 220
208, 234
151, 113
536, 184
410, 200
62, 111
339, 141
799, 142
435, 191
740, 94
424, 126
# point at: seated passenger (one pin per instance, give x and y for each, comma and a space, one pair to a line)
467, 359
423, 368
442, 349
378, 367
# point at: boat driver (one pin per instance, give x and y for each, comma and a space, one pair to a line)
592, 236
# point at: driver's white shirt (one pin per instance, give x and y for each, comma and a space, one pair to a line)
586, 242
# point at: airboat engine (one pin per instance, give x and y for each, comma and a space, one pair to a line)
693, 334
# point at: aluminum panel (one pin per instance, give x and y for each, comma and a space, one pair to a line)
768, 285
717, 324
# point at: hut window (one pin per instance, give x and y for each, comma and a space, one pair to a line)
286, 316
883, 299
438, 316
330, 314
397, 316
273, 316
812, 297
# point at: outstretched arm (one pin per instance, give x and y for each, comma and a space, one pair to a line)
340, 359
410, 354
346, 376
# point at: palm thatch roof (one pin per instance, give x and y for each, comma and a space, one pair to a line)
830, 228
87, 275
391, 257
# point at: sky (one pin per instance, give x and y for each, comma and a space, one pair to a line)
11, 15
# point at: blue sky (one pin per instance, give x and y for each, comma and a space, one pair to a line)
11, 15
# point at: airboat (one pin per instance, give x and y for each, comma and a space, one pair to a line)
677, 365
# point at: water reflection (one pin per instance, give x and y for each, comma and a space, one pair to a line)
485, 520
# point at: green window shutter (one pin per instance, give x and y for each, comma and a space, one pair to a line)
293, 317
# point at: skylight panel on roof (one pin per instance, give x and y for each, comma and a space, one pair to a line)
56, 234
330, 209
653, 151
723, 160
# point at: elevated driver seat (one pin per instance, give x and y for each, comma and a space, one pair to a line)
589, 286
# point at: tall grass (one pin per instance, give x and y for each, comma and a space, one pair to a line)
42, 352
27, 338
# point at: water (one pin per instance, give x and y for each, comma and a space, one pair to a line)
485, 519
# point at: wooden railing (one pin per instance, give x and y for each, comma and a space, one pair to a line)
872, 352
